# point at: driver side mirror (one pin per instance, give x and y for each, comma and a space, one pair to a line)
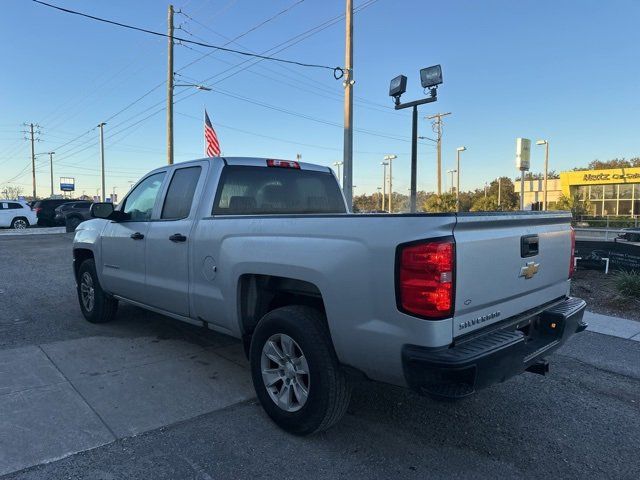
101, 210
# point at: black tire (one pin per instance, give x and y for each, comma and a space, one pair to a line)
104, 307
19, 223
71, 223
329, 391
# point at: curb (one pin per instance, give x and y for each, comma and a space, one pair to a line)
33, 231
613, 326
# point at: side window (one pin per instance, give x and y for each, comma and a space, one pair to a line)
139, 204
4, 206
177, 203
15, 206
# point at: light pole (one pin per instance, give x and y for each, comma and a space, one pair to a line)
499, 191
381, 197
170, 88
390, 159
384, 182
546, 170
51, 154
458, 150
451, 172
101, 126
338, 165
430, 78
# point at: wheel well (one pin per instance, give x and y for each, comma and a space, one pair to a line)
20, 217
259, 294
79, 256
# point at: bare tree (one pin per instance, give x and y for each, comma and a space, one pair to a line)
11, 192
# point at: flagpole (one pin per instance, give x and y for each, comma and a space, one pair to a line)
204, 138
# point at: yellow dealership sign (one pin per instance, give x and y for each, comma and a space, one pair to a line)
598, 177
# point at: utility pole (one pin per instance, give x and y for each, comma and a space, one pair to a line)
101, 126
437, 128
381, 198
499, 191
390, 159
347, 179
169, 89
384, 182
546, 171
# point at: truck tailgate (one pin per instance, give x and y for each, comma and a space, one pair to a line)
508, 263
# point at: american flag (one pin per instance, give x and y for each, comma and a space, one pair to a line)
212, 146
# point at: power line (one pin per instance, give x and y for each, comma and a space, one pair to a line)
338, 71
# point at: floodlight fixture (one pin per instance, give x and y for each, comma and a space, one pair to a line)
398, 86
431, 76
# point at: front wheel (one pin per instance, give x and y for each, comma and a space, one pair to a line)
19, 223
295, 371
96, 305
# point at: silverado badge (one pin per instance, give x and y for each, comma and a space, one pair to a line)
529, 270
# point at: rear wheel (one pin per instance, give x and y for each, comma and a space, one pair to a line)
96, 305
19, 223
295, 371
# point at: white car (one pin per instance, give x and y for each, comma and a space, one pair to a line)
16, 214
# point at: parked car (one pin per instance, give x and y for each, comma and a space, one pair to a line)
266, 251
76, 212
631, 234
45, 210
16, 214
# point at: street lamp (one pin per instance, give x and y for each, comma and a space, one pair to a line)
51, 154
452, 172
458, 150
384, 182
430, 78
390, 158
170, 87
338, 165
546, 170
381, 197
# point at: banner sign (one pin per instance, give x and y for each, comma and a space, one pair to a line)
621, 255
67, 184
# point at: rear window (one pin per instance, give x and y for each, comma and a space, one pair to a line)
270, 190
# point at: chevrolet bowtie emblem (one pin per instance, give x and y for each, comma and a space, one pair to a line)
529, 270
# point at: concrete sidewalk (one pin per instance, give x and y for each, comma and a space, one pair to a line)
614, 326
65, 397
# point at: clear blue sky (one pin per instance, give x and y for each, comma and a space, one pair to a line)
566, 71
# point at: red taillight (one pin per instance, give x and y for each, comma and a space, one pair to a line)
572, 261
425, 279
283, 164
37, 210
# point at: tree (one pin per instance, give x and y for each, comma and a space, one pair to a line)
366, 203
509, 199
614, 163
485, 204
573, 204
11, 192
440, 203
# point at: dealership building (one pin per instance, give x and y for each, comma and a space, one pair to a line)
613, 191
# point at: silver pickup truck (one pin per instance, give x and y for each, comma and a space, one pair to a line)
266, 251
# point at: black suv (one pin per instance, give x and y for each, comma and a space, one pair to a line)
45, 210
64, 211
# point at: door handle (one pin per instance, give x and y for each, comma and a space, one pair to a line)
137, 236
178, 237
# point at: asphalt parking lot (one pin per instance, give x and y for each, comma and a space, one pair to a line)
149, 397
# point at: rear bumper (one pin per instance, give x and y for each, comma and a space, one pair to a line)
485, 359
